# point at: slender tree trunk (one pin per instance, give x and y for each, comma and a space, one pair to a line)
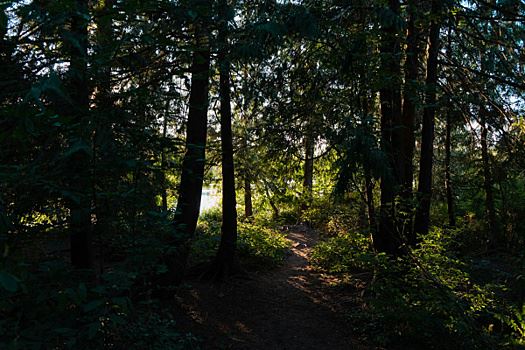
246, 162
369, 187
448, 177
248, 206
386, 239
406, 142
422, 220
486, 57
163, 163
79, 143
490, 208
308, 180
369, 183
275, 209
190, 189
226, 261
104, 178
448, 146
4, 230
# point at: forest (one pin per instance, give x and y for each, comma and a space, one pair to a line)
262, 174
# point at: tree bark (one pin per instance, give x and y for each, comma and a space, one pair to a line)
386, 239
248, 205
406, 141
104, 175
448, 176
225, 261
308, 180
490, 208
422, 219
448, 147
190, 189
79, 142
163, 163
369, 187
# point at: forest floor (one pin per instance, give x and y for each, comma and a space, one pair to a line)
291, 307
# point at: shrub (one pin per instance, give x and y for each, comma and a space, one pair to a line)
70, 314
428, 299
258, 246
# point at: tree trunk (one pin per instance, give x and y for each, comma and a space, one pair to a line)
79, 142
386, 239
104, 176
448, 177
308, 180
225, 261
163, 163
487, 179
422, 220
448, 146
190, 189
369, 187
405, 169
248, 206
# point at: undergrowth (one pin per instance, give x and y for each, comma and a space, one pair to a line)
259, 247
430, 299
45, 304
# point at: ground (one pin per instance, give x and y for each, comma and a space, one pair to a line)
291, 307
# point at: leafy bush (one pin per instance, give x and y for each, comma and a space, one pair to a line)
261, 246
258, 246
428, 299
68, 314
348, 252
45, 304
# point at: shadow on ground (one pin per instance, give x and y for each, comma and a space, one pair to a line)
292, 307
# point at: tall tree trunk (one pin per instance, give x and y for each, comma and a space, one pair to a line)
369, 188
104, 178
225, 262
163, 163
486, 59
308, 180
405, 168
246, 161
190, 189
448, 146
248, 205
422, 220
386, 239
490, 208
448, 176
369, 183
80, 151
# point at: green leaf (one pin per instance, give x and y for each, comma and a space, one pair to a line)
8, 282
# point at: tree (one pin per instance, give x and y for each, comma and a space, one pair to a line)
226, 260
387, 239
79, 144
190, 189
422, 220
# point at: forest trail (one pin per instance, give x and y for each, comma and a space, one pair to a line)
291, 307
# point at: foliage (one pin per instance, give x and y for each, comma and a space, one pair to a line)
429, 299
259, 247
107, 82
53, 308
343, 253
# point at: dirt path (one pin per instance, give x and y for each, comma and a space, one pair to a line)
288, 308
